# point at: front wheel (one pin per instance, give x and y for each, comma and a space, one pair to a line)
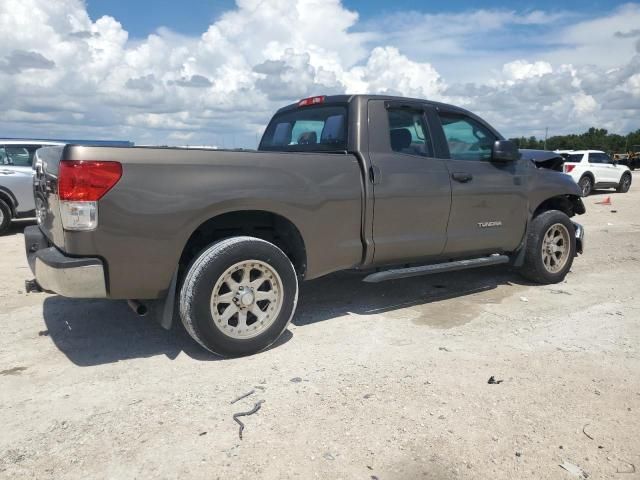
550, 249
625, 183
238, 296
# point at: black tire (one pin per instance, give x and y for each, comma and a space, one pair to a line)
625, 183
5, 217
205, 274
534, 267
586, 185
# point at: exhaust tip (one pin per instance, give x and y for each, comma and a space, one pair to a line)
138, 308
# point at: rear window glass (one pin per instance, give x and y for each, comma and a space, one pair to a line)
307, 129
572, 157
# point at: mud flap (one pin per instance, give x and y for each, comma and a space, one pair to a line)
163, 309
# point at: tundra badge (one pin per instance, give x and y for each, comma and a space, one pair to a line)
497, 223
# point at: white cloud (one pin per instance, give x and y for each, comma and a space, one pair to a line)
584, 104
387, 71
63, 74
521, 69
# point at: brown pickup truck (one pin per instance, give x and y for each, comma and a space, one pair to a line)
394, 186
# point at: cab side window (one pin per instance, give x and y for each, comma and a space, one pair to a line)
408, 133
467, 138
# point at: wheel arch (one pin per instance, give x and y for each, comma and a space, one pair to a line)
7, 197
266, 225
589, 174
571, 205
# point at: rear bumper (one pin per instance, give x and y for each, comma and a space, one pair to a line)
58, 273
579, 237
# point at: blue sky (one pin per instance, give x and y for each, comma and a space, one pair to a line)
191, 17
212, 73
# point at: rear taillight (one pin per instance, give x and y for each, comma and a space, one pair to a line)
87, 180
568, 168
80, 185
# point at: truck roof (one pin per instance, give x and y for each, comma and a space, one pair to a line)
329, 99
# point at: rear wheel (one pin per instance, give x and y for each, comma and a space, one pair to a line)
586, 185
238, 296
625, 183
550, 249
5, 217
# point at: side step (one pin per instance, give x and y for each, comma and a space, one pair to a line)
436, 268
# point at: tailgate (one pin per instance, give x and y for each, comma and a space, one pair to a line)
45, 189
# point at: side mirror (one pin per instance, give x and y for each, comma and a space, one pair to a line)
505, 151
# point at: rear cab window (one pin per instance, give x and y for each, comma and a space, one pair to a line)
307, 129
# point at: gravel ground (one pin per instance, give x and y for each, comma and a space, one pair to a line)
385, 381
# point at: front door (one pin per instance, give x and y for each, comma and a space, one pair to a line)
489, 199
412, 190
604, 169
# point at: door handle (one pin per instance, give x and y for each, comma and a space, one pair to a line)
374, 174
462, 177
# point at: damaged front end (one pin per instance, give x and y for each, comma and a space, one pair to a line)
544, 159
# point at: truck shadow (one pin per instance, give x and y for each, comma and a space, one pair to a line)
342, 293
96, 332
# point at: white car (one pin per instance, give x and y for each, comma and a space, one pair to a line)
16, 179
595, 169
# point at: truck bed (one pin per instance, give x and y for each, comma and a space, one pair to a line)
165, 194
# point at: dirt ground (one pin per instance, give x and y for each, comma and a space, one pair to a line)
385, 381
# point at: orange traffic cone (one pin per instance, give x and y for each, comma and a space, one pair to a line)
606, 201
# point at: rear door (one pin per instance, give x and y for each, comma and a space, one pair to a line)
489, 199
412, 190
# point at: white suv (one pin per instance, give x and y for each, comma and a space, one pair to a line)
595, 169
16, 179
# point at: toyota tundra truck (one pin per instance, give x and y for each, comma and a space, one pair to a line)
395, 187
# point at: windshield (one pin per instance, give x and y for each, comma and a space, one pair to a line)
307, 129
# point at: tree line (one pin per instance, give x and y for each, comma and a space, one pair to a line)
592, 139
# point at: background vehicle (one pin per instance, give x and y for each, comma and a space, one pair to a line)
16, 179
400, 186
595, 169
631, 159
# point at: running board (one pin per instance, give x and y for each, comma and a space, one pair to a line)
436, 268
